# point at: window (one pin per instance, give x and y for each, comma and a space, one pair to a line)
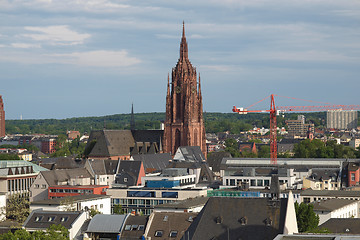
267, 183
306, 200
101, 205
37, 186
38, 218
127, 228
134, 227
43, 186
64, 219
51, 218
141, 227
252, 182
158, 233
125, 179
173, 234
352, 176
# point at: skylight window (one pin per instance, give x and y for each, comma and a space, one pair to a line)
51, 218
173, 234
158, 233
38, 218
127, 228
134, 227
165, 218
141, 228
64, 219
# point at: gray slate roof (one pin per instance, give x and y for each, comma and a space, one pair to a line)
330, 193
60, 175
239, 218
134, 221
192, 154
170, 221
106, 223
342, 225
185, 204
43, 223
102, 167
111, 143
331, 204
153, 162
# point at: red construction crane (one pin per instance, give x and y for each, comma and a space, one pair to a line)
282, 109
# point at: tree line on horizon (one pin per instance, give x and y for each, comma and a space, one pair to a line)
214, 122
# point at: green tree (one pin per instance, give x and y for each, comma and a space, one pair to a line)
93, 212
319, 149
307, 219
68, 204
231, 146
118, 209
17, 208
9, 156
57, 232
264, 151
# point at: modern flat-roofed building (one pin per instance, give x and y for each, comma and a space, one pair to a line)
142, 199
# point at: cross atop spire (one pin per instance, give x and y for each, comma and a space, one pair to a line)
183, 45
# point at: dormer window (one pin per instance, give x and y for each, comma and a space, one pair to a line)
158, 233
243, 221
173, 234
64, 219
268, 222
165, 218
38, 218
218, 220
51, 218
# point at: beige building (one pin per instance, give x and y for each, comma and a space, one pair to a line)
72, 177
16, 176
339, 119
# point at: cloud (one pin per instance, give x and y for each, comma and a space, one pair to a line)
100, 58
56, 35
25, 45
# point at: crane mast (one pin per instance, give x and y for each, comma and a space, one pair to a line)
274, 111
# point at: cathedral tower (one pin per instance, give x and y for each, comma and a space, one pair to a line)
184, 125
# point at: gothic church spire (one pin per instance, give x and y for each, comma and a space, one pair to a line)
183, 45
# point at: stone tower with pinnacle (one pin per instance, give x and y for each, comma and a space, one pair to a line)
184, 124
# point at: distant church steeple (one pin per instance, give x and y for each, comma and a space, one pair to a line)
132, 120
184, 125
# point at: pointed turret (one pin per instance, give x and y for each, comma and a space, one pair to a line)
183, 45
132, 120
199, 86
168, 86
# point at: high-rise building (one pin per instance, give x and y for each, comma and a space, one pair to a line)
2, 118
184, 125
339, 119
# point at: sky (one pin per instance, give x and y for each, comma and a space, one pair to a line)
77, 58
